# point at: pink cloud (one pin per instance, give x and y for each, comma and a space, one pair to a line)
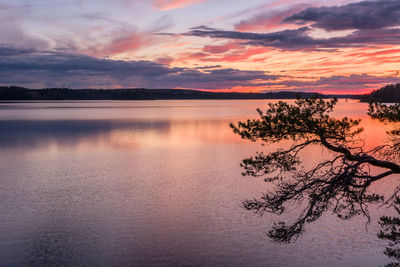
172, 4
130, 39
125, 43
268, 20
175, 45
230, 52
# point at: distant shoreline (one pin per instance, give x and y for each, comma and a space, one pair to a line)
8, 93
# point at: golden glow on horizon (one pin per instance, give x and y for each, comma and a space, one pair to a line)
176, 44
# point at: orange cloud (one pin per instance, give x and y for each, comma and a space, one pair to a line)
226, 53
175, 45
219, 49
172, 4
370, 52
244, 55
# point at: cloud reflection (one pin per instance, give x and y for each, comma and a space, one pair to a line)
129, 134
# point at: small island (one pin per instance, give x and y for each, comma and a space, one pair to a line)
387, 94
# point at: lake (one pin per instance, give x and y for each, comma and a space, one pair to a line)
154, 183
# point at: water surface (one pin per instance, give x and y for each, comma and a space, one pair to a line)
147, 183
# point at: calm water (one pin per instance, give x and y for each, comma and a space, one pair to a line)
152, 183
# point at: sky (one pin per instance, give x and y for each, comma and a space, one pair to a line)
335, 46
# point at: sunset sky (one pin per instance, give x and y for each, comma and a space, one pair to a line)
334, 46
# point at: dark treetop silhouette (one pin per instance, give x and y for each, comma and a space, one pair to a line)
338, 184
388, 94
390, 225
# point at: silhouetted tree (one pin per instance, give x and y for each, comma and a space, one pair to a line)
390, 225
338, 183
391, 232
389, 93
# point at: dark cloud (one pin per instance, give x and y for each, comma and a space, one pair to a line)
62, 62
8, 50
352, 83
300, 38
361, 15
288, 39
373, 23
208, 67
366, 37
55, 69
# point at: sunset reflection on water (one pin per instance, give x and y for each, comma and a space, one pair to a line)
158, 182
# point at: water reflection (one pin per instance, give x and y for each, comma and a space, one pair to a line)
118, 133
55, 247
150, 183
35, 133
